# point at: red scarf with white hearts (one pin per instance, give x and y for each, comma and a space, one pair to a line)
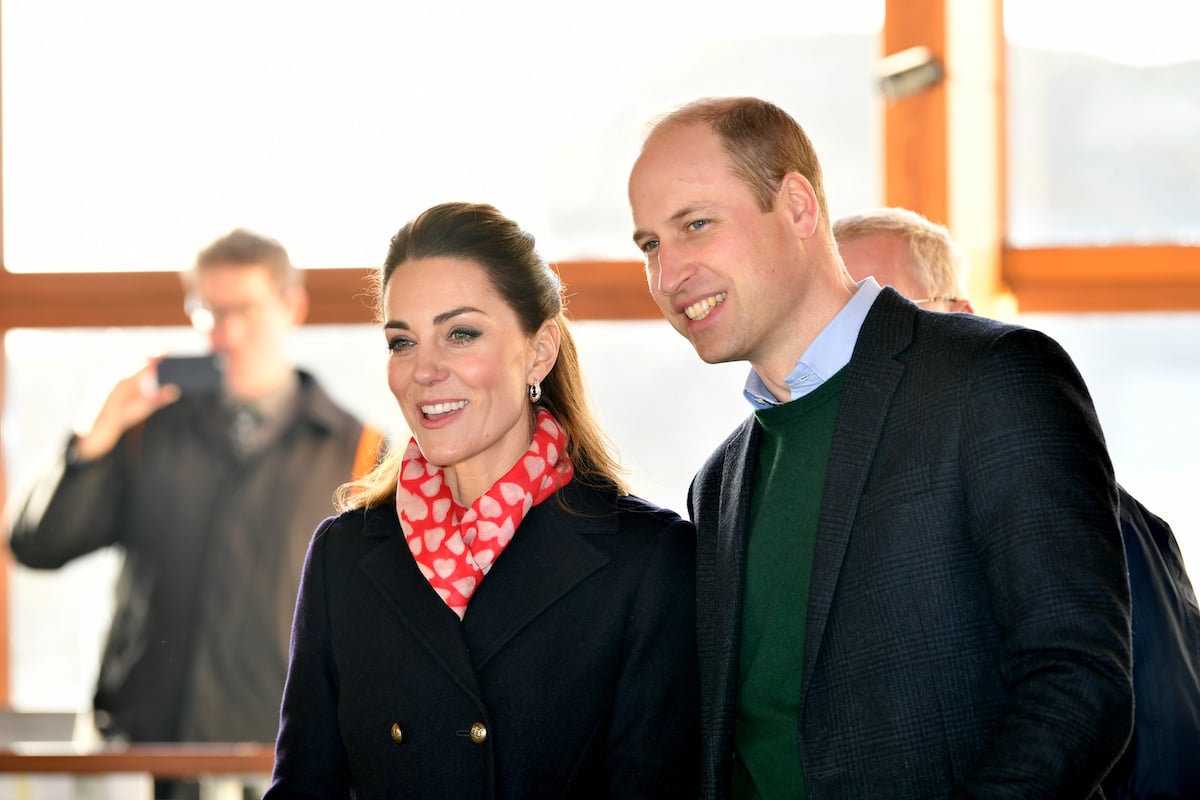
454, 546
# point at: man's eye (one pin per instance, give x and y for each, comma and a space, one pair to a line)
697, 224
649, 244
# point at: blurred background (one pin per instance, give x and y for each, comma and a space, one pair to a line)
1060, 144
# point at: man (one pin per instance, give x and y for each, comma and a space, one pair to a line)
902, 249
910, 575
212, 497
919, 259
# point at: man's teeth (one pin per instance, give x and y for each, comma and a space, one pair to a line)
698, 311
442, 408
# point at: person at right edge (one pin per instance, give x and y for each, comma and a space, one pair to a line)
910, 576
919, 259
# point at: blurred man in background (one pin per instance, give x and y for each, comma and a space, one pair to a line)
211, 493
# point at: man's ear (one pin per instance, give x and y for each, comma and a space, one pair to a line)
297, 300
963, 305
800, 199
544, 348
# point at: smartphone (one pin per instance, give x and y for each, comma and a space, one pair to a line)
190, 373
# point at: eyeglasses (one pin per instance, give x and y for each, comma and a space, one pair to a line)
938, 299
205, 317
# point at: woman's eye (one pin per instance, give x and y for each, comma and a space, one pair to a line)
398, 344
464, 335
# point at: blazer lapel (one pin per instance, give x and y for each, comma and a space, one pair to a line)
546, 559
392, 569
871, 379
723, 573
719, 503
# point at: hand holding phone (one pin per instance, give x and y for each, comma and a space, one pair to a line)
135, 397
190, 373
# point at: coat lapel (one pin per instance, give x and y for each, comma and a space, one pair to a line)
546, 559
871, 379
391, 568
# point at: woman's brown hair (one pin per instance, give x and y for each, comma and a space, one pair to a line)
480, 234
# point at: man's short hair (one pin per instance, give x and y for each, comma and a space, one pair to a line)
936, 254
763, 143
241, 247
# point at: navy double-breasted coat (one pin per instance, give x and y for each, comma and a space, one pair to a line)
572, 675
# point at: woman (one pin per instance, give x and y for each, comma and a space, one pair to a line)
491, 615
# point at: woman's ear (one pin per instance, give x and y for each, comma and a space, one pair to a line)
544, 350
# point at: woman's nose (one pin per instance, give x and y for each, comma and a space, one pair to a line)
428, 368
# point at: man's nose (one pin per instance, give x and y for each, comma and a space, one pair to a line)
674, 268
227, 330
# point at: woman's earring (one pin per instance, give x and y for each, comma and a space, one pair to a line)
535, 392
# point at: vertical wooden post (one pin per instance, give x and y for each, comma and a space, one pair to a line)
944, 145
5, 561
976, 152
914, 127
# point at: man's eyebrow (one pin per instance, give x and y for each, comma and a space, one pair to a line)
445, 316
686, 211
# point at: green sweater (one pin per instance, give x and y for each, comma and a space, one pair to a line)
789, 477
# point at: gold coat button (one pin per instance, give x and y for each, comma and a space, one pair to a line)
397, 734
478, 733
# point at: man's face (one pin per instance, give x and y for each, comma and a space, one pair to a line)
885, 256
722, 271
248, 319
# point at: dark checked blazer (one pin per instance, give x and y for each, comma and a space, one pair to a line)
968, 628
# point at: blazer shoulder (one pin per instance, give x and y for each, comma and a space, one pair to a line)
894, 325
725, 465
935, 348
734, 443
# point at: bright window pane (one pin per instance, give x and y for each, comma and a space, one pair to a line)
136, 131
1103, 123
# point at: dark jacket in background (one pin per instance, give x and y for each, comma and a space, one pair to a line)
212, 545
1162, 761
968, 628
572, 676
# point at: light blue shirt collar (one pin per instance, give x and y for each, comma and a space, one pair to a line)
827, 354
